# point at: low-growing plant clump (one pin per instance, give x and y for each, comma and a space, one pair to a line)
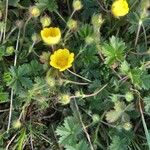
74, 75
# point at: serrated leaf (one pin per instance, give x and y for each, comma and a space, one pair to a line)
113, 51
85, 31
68, 131
26, 82
136, 77
146, 82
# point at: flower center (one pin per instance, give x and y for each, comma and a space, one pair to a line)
62, 61
51, 32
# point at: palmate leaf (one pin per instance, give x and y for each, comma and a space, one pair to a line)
146, 82
68, 131
85, 31
89, 56
114, 51
22, 76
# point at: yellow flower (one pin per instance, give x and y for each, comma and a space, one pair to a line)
120, 8
51, 35
61, 59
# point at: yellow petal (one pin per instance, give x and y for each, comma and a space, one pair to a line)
61, 59
51, 35
120, 8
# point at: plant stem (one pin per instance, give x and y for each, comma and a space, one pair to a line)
24, 31
79, 76
1, 34
144, 125
10, 141
74, 82
144, 35
72, 14
5, 25
84, 128
89, 95
11, 32
12, 91
60, 16
81, 51
138, 32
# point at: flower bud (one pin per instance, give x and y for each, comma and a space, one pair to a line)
89, 40
72, 24
77, 5
45, 21
97, 20
10, 50
95, 118
129, 97
16, 124
44, 58
34, 11
64, 99
50, 81
127, 126
77, 93
35, 37
19, 23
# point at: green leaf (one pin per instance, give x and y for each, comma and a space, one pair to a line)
50, 5
146, 82
124, 68
3, 95
85, 31
13, 2
21, 139
114, 51
82, 145
118, 144
68, 131
136, 77
2, 52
